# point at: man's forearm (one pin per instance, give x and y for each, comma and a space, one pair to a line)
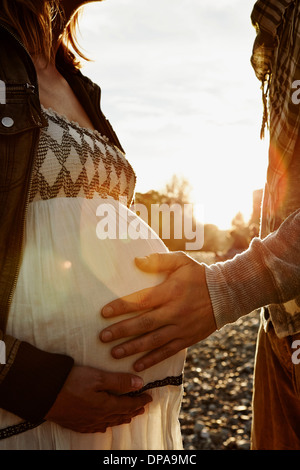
268, 272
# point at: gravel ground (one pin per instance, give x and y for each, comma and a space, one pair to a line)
216, 410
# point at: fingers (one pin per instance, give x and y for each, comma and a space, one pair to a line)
117, 421
144, 299
118, 382
135, 326
112, 421
158, 355
161, 262
151, 297
153, 340
126, 405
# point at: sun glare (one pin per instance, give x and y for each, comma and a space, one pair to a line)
200, 120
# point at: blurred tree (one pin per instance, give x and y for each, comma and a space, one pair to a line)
167, 208
211, 238
238, 220
178, 190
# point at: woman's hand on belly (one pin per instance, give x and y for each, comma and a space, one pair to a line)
90, 400
177, 313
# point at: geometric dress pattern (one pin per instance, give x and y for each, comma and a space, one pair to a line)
78, 162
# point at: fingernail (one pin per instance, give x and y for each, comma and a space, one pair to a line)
137, 382
139, 367
106, 336
118, 353
107, 311
142, 260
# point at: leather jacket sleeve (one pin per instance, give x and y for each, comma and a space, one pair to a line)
32, 379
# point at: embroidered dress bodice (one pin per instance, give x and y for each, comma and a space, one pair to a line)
78, 162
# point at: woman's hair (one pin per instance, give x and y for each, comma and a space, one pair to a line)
37, 22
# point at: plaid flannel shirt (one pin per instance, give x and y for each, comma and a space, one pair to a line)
268, 273
276, 61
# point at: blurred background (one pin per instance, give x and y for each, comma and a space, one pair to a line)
180, 92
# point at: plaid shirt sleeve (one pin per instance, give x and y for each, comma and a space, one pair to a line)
267, 15
278, 67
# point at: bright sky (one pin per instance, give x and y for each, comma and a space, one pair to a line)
179, 90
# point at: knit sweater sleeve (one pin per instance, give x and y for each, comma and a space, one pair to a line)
268, 272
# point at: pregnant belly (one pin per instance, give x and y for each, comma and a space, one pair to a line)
70, 271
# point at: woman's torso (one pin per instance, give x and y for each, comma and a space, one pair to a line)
75, 261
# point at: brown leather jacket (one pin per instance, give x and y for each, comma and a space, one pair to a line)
30, 379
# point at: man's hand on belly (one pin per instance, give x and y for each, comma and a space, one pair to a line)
171, 316
90, 400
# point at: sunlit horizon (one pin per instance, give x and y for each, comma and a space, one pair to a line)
179, 90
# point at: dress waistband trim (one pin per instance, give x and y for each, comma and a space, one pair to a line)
158, 383
27, 425
18, 429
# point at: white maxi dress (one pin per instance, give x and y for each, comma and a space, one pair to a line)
80, 242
